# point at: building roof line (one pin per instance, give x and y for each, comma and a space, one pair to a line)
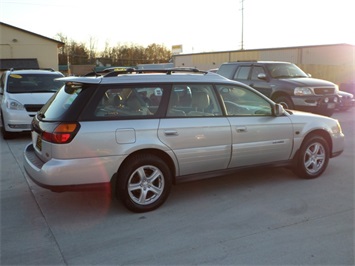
265, 49
60, 44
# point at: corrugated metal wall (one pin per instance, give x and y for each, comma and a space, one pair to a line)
335, 63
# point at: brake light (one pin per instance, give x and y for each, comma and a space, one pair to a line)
63, 133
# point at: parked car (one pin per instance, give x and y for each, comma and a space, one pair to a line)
285, 83
346, 101
23, 93
348, 86
139, 133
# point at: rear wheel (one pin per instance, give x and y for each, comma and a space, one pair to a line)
143, 183
285, 101
313, 157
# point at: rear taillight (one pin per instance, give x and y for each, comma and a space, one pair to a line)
62, 133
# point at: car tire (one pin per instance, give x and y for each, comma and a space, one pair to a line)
313, 157
143, 183
285, 101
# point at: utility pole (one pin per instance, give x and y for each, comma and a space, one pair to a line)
242, 46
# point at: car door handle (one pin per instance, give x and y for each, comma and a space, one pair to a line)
241, 129
171, 133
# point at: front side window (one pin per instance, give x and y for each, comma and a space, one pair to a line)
120, 102
240, 101
256, 71
242, 73
193, 100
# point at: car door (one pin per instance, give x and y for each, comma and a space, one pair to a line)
250, 75
195, 130
260, 84
258, 136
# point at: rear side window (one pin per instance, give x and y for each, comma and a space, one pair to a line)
122, 102
227, 70
193, 100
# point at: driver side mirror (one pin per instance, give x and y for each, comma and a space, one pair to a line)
262, 76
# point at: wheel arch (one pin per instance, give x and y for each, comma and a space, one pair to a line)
163, 155
317, 132
277, 94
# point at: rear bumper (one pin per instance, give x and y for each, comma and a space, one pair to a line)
72, 174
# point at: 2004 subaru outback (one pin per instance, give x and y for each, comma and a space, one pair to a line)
149, 130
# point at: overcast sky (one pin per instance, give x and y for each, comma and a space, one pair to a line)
197, 25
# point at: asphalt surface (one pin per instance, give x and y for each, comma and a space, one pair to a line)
256, 217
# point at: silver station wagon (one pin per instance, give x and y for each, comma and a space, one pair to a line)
139, 132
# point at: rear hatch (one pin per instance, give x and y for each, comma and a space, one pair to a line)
56, 124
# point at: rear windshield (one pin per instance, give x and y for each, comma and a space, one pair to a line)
33, 83
60, 102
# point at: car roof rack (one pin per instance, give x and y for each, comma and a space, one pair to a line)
167, 71
21, 68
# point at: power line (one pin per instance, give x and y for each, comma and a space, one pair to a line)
242, 43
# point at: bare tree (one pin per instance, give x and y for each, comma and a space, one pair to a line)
120, 55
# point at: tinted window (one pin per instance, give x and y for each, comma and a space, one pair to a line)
60, 102
240, 101
256, 71
193, 100
33, 83
242, 72
120, 102
227, 70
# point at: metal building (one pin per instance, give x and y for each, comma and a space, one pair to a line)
333, 62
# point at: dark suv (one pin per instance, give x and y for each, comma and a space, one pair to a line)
285, 83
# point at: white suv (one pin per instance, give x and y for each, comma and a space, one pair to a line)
138, 133
23, 93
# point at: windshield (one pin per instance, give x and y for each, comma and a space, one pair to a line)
33, 83
285, 71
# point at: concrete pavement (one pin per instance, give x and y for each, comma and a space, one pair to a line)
25, 235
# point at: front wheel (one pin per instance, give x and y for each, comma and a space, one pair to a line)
313, 157
143, 183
